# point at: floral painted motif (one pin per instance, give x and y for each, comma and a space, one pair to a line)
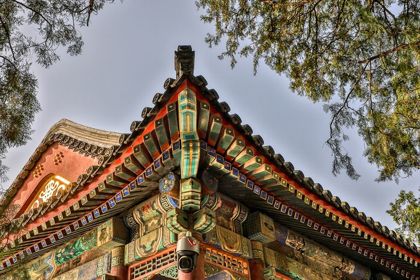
76, 248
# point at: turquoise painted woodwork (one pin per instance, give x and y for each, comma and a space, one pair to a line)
173, 122
204, 220
187, 103
203, 119
177, 221
161, 134
190, 195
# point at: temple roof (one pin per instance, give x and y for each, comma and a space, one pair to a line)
83, 139
295, 200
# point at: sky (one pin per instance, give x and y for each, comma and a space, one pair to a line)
128, 54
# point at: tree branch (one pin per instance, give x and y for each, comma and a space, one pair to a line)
90, 11
293, 4
11, 62
386, 10
399, 48
29, 8
345, 102
8, 37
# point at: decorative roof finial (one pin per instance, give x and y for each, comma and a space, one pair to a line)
184, 61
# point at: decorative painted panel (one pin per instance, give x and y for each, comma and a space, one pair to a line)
190, 195
316, 256
229, 213
149, 244
50, 188
295, 269
149, 215
89, 271
297, 256
260, 227
77, 261
75, 248
187, 104
212, 272
78, 251
226, 261
230, 241
380, 276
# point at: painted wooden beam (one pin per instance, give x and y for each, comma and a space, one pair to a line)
214, 130
203, 120
187, 104
124, 173
142, 155
226, 138
167, 159
161, 135
173, 121
149, 140
237, 146
113, 180
131, 163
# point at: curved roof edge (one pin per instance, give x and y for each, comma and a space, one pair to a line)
84, 133
60, 130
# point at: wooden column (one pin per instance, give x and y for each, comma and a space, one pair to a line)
256, 266
118, 270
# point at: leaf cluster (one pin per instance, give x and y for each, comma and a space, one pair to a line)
33, 30
359, 57
406, 213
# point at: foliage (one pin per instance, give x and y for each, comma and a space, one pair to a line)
361, 57
56, 25
406, 213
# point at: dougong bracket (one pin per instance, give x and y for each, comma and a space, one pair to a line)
187, 103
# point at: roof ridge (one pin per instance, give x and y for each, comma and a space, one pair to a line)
84, 133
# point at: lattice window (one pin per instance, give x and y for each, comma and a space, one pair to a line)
226, 261
152, 265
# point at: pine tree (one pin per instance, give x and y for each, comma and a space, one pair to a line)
56, 24
359, 57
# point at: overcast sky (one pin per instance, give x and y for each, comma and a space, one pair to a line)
128, 54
